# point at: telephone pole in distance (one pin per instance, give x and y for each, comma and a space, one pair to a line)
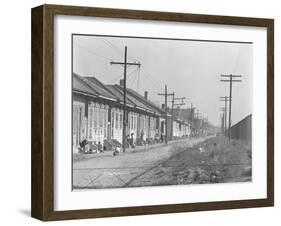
166, 94
230, 78
225, 99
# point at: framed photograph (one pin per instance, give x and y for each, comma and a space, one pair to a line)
142, 112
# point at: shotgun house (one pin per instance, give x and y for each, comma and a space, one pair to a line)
141, 118
91, 111
91, 104
115, 112
179, 129
98, 114
156, 121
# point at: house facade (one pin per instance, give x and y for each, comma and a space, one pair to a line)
98, 114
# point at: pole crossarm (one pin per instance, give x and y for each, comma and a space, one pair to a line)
174, 99
166, 94
163, 94
229, 78
231, 75
179, 98
224, 98
127, 63
179, 104
225, 80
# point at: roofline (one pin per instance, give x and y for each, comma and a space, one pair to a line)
147, 102
87, 94
101, 84
120, 90
86, 83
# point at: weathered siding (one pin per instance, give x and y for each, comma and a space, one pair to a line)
116, 124
97, 122
79, 124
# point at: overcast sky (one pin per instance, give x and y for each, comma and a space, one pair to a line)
191, 69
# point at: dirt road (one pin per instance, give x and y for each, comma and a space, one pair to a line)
197, 161
125, 169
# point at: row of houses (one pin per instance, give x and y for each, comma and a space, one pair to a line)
98, 114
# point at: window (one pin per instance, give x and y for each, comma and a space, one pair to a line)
100, 119
121, 120
112, 120
116, 124
133, 121
130, 123
90, 116
105, 122
95, 120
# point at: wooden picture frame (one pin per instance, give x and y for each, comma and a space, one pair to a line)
42, 203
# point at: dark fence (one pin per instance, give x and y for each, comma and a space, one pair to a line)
242, 130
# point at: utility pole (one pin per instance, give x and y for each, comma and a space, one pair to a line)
172, 120
179, 104
166, 94
173, 106
196, 115
192, 109
230, 78
225, 99
224, 113
197, 122
125, 63
222, 116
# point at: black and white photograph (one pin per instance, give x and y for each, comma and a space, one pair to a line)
149, 111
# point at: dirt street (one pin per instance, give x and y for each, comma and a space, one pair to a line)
196, 161
125, 169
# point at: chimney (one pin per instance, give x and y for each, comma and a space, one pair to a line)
145, 95
121, 82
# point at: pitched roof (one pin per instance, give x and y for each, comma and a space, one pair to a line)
79, 85
148, 103
118, 94
137, 101
92, 86
98, 87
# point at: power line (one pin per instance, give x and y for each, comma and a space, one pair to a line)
156, 84
120, 76
173, 105
111, 46
130, 79
124, 93
116, 49
229, 78
134, 59
166, 94
90, 52
145, 73
225, 99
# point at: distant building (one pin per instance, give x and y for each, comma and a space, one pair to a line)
242, 130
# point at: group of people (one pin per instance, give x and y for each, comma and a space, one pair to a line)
130, 140
87, 147
92, 147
